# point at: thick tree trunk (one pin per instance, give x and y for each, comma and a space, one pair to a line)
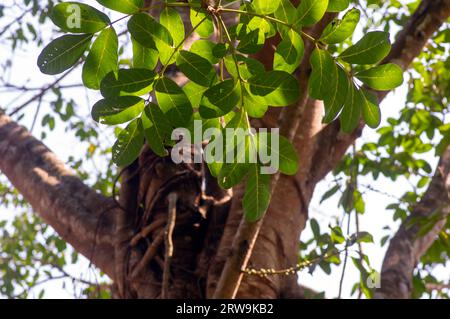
126, 239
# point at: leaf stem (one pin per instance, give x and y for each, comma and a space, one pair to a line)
177, 48
269, 18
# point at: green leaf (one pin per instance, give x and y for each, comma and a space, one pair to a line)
284, 151
219, 51
173, 102
206, 28
248, 67
171, 20
277, 87
364, 237
256, 106
340, 30
323, 66
118, 110
102, 59
286, 12
62, 53
315, 228
266, 7
124, 6
127, 80
329, 193
78, 18
128, 145
338, 5
337, 94
220, 99
196, 68
352, 110
370, 109
289, 53
156, 129
144, 57
146, 30
257, 195
195, 93
310, 12
371, 49
205, 49
233, 172
250, 41
384, 77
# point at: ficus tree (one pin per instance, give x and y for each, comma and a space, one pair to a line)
227, 229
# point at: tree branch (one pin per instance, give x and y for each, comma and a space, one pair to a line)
408, 245
427, 19
79, 215
247, 233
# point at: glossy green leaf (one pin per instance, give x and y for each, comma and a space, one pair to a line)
173, 102
146, 30
284, 151
102, 59
338, 5
384, 77
233, 172
323, 66
340, 30
118, 110
127, 80
205, 49
289, 53
257, 194
310, 12
156, 129
248, 67
203, 21
196, 68
63, 53
250, 41
370, 109
124, 6
78, 18
286, 12
371, 49
266, 7
220, 99
128, 145
144, 57
171, 20
195, 93
337, 93
351, 112
277, 87
256, 106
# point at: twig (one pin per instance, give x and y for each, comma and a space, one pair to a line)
149, 254
171, 220
41, 94
147, 231
341, 281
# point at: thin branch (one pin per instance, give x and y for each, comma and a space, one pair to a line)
149, 254
410, 243
172, 198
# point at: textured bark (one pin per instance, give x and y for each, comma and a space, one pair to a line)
79, 215
409, 245
207, 221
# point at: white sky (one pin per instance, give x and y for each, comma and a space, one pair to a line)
65, 144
